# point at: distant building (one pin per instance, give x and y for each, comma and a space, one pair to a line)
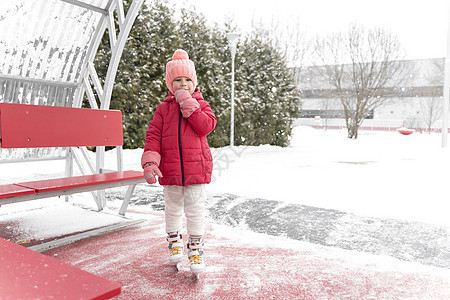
417, 103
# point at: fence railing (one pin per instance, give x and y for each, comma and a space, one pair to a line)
368, 124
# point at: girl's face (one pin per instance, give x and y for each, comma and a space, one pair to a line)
183, 83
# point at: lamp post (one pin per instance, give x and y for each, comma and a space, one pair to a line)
232, 38
445, 105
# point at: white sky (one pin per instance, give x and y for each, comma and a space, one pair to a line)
421, 25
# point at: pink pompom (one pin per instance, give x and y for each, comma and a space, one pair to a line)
180, 54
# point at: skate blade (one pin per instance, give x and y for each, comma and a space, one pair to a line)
177, 266
197, 273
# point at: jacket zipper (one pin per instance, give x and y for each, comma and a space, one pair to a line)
179, 147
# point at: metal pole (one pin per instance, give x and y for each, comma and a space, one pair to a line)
232, 38
233, 53
446, 89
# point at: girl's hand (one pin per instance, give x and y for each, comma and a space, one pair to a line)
150, 170
187, 104
181, 96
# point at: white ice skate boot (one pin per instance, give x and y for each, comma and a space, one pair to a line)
195, 254
175, 247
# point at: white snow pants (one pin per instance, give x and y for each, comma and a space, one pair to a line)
192, 199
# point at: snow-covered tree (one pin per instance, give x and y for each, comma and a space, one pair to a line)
208, 49
140, 81
267, 100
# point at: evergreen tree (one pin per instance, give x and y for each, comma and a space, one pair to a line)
267, 101
140, 81
208, 49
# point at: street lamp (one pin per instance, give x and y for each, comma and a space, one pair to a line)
446, 89
232, 38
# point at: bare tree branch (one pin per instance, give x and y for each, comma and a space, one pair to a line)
361, 64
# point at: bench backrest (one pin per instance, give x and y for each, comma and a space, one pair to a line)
32, 126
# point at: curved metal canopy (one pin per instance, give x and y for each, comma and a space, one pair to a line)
47, 49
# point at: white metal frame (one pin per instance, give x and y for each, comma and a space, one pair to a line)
117, 43
118, 38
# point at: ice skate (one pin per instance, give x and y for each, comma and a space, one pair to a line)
175, 248
196, 262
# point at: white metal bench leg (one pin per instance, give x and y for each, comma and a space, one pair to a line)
69, 167
100, 164
126, 201
100, 199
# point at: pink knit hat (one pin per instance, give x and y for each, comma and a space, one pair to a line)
180, 65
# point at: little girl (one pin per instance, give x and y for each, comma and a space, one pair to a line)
177, 151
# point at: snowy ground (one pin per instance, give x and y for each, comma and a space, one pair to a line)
382, 194
378, 175
381, 174
242, 264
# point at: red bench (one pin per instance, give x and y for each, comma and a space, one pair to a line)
25, 274
33, 126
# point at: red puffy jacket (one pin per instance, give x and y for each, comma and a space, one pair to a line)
185, 155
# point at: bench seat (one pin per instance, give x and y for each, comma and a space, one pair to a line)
57, 184
31, 190
13, 190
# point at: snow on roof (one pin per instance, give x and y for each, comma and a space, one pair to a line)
46, 39
44, 48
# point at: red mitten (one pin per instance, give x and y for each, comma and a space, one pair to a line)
150, 170
182, 95
187, 104
150, 161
